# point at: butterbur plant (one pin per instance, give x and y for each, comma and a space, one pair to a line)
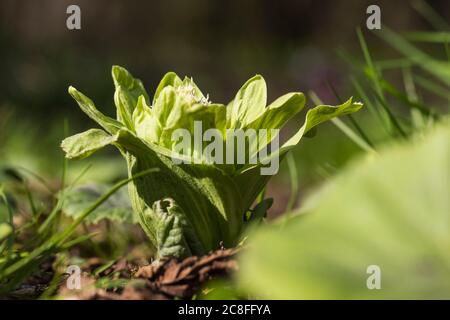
191, 207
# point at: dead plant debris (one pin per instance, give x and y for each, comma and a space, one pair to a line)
162, 280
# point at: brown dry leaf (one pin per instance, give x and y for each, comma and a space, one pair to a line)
181, 279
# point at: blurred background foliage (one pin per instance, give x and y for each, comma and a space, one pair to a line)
293, 44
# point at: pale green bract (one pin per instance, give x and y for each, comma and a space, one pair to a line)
190, 208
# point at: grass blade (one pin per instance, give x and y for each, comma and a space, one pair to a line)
294, 178
439, 69
21, 268
433, 37
433, 18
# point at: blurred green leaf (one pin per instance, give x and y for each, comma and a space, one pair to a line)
116, 208
391, 211
9, 173
5, 230
219, 290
